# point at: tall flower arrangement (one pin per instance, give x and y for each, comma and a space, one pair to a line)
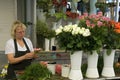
112, 38
71, 37
98, 25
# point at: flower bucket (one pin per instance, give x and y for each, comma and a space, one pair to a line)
51, 67
52, 43
92, 71
108, 70
47, 44
65, 70
75, 72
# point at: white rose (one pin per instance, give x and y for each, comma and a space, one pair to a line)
86, 33
67, 28
82, 30
58, 31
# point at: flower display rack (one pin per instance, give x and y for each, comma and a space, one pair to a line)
60, 57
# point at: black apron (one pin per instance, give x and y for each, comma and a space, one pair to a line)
18, 66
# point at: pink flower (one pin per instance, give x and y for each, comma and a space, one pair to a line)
81, 17
92, 25
85, 14
100, 13
99, 23
88, 23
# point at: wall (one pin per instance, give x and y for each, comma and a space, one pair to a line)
7, 16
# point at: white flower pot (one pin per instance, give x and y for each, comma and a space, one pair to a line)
75, 72
65, 71
47, 44
51, 67
92, 71
52, 42
108, 70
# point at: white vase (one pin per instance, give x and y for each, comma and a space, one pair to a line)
52, 43
75, 72
41, 15
108, 70
92, 71
47, 44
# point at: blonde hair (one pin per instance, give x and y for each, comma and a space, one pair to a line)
14, 27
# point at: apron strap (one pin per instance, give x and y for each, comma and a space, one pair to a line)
26, 44
16, 48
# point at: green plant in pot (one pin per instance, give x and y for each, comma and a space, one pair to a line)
42, 32
44, 4
36, 71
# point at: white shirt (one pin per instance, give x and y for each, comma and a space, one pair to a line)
10, 48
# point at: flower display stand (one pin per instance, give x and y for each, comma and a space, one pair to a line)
92, 71
108, 70
75, 72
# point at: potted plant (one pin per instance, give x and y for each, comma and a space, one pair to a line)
111, 43
44, 32
71, 37
35, 71
44, 4
97, 24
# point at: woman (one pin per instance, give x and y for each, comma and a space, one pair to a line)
19, 50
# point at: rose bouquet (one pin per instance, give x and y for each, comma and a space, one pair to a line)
72, 37
98, 25
112, 38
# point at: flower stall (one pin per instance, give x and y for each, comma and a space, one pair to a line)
89, 36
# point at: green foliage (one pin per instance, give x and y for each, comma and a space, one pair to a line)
69, 43
43, 30
44, 4
101, 6
112, 39
60, 15
36, 71
100, 64
84, 69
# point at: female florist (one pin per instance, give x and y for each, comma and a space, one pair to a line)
94, 34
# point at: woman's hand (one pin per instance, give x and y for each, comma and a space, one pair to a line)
29, 55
